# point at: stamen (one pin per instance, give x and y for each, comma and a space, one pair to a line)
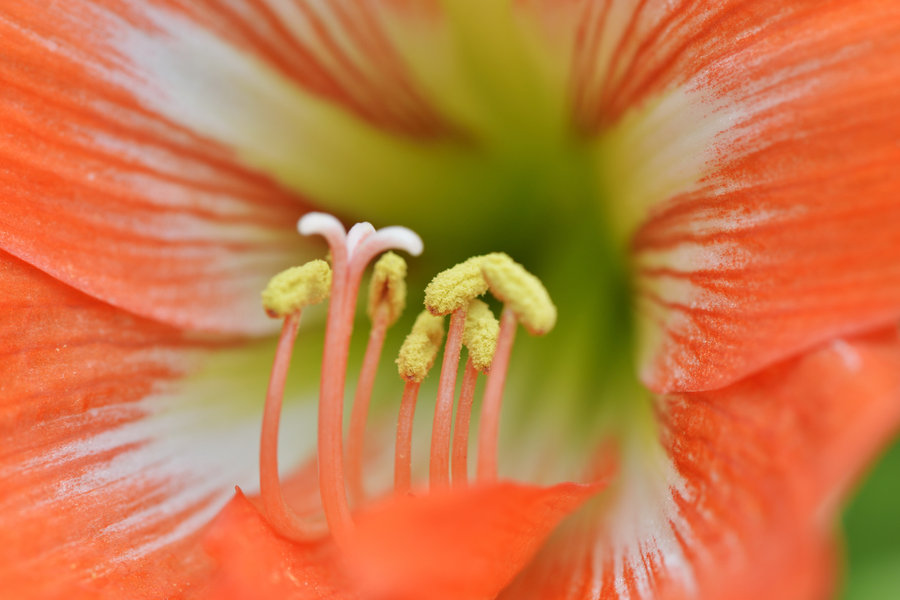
292, 289
286, 296
417, 356
489, 427
526, 299
521, 291
443, 410
403, 452
387, 298
460, 462
387, 290
480, 335
450, 292
420, 348
452, 289
282, 518
480, 338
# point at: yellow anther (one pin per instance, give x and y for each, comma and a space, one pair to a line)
294, 288
480, 335
521, 291
420, 347
453, 288
387, 290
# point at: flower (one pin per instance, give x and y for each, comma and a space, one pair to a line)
730, 165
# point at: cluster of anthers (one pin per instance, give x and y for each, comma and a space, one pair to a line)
454, 292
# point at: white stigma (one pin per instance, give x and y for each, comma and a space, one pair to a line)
362, 238
357, 234
318, 223
400, 238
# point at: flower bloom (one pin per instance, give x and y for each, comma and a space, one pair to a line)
730, 167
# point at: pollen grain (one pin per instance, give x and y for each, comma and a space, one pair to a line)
421, 347
521, 292
453, 288
480, 335
297, 287
387, 289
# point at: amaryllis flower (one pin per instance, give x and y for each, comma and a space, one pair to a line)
708, 191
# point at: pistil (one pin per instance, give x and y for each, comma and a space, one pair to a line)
338, 330
350, 254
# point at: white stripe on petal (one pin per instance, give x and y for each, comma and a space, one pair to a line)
173, 463
643, 520
660, 150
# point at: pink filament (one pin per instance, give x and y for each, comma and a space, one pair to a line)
279, 514
493, 397
403, 450
443, 410
461, 426
356, 436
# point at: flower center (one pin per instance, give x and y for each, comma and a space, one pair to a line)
453, 292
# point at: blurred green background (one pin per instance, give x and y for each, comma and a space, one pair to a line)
872, 526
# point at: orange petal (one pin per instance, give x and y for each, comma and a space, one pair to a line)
253, 562
477, 540
112, 197
116, 449
755, 476
786, 232
458, 544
